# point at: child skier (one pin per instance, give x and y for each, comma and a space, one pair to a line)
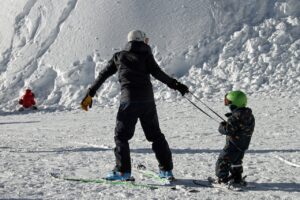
134, 65
238, 130
27, 100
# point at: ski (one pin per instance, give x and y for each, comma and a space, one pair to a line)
173, 184
153, 175
129, 183
202, 183
212, 183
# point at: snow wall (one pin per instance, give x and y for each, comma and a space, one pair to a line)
57, 47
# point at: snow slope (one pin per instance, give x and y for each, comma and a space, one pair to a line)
58, 47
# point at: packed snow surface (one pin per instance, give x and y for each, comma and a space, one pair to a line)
80, 144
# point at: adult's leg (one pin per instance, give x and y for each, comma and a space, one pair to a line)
125, 126
160, 146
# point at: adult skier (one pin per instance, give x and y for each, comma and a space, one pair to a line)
134, 65
27, 100
238, 130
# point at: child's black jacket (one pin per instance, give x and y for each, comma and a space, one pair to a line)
239, 128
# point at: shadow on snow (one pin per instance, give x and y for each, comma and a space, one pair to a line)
20, 122
148, 150
286, 187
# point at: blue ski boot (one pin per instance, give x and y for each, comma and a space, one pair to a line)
166, 175
119, 176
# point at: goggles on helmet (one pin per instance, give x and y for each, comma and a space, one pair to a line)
226, 101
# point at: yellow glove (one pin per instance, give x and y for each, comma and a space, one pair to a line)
86, 102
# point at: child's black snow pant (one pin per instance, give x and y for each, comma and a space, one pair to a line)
230, 160
127, 117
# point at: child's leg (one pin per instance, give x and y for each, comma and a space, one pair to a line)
230, 160
223, 166
237, 167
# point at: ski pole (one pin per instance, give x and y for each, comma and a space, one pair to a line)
207, 106
201, 109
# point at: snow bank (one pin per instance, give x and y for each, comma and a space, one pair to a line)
58, 48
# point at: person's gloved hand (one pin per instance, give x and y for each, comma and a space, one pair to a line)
228, 114
86, 102
222, 127
183, 89
223, 123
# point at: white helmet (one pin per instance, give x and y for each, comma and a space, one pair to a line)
136, 35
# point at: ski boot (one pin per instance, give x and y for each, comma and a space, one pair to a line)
166, 175
238, 182
224, 180
119, 176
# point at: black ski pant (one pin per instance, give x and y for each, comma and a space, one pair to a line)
230, 161
127, 117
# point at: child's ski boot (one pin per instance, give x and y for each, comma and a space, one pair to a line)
238, 182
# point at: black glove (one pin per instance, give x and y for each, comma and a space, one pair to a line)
222, 127
228, 114
183, 89
223, 123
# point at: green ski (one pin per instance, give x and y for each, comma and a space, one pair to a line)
153, 175
131, 184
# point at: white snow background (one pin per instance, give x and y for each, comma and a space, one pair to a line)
57, 48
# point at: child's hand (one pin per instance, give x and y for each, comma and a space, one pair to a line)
228, 114
223, 123
222, 127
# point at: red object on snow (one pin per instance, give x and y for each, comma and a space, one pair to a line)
27, 99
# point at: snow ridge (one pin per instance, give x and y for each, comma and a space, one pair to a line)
54, 33
19, 21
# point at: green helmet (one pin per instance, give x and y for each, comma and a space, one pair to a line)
236, 98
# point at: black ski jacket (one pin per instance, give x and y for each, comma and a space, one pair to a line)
239, 128
134, 65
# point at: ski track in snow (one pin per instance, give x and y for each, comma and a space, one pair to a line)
286, 161
93, 145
